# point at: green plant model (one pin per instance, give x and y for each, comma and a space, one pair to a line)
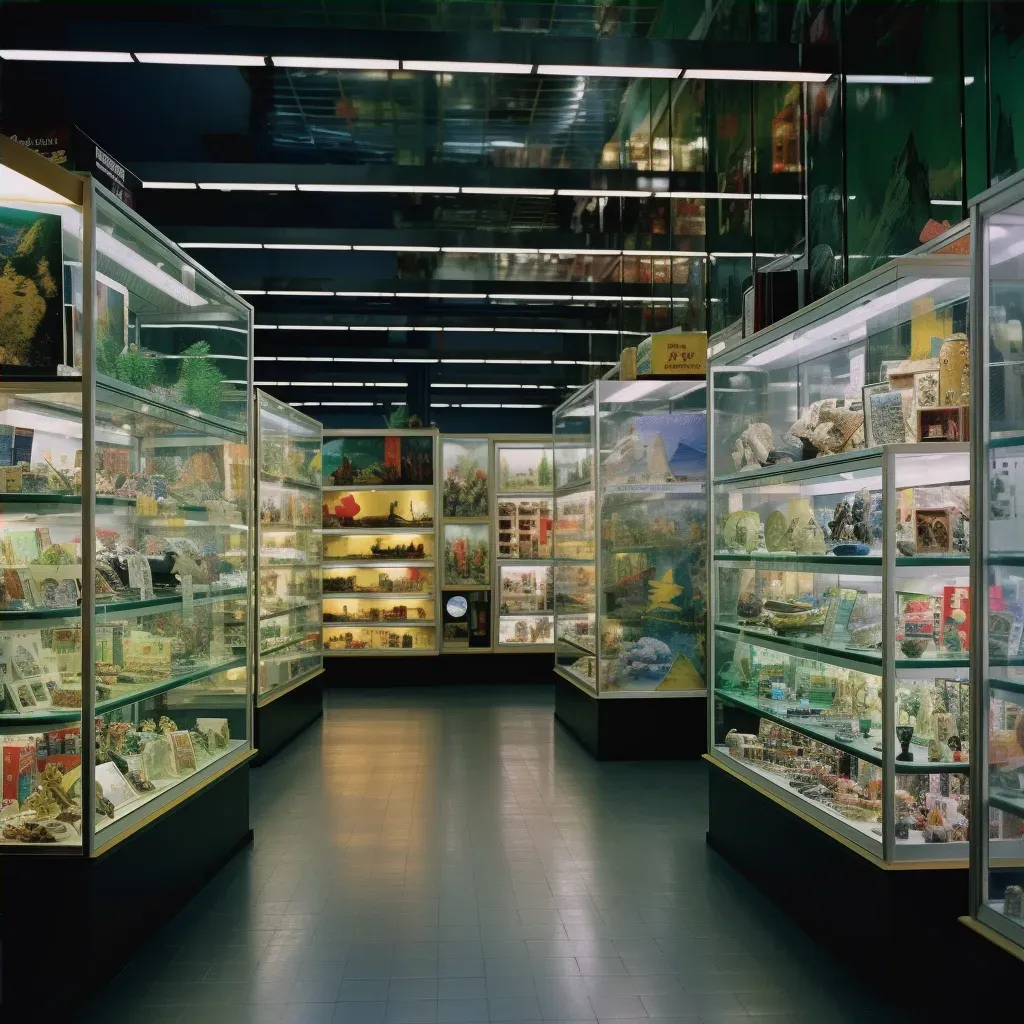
132, 367
200, 383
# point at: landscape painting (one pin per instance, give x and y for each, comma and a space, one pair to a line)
31, 289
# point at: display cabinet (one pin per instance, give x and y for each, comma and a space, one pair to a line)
840, 582
997, 538
125, 562
465, 562
522, 521
288, 641
380, 542
629, 544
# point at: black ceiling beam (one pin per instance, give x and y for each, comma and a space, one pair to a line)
92, 27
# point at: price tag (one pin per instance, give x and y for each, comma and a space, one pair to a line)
134, 571
187, 600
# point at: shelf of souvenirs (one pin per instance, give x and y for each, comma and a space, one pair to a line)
202, 594
289, 609
867, 565
526, 615
382, 531
379, 622
356, 487
830, 652
683, 489
290, 527
336, 648
998, 559
377, 595
845, 462
574, 559
810, 722
304, 636
1012, 688
284, 482
270, 693
465, 520
167, 509
1008, 800
120, 695
584, 642
1007, 439
268, 561
523, 495
466, 586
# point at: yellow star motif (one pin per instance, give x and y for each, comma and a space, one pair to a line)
662, 592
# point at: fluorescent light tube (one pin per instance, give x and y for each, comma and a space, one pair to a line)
365, 295
337, 63
148, 272
222, 245
738, 75
383, 189
605, 71
889, 79
487, 250
169, 184
251, 291
527, 297
470, 66
298, 293
472, 190
348, 403
397, 248
311, 327
441, 295
463, 330
605, 193
581, 252
245, 186
303, 245
416, 360
448, 385
240, 60
376, 328
467, 361
361, 359
78, 56
702, 195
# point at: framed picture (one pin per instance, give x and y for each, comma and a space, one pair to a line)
884, 420
943, 423
933, 532
116, 788
184, 752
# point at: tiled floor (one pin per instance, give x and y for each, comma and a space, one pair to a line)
450, 856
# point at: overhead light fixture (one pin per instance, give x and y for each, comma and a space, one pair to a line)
245, 186
251, 291
701, 195
303, 245
365, 295
416, 360
889, 79
465, 361
473, 190
606, 71
77, 56
170, 184
311, 327
470, 67
362, 404
463, 330
383, 189
441, 295
740, 75
362, 359
222, 245
337, 63
264, 327
397, 248
240, 60
527, 297
606, 193
487, 250
376, 329
580, 252
297, 293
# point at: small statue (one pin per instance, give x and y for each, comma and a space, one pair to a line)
103, 805
904, 733
861, 508
839, 527
753, 446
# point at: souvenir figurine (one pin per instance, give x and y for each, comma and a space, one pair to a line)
861, 509
840, 526
752, 447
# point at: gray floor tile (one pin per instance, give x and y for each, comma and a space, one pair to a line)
453, 859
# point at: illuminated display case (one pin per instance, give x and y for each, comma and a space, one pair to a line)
840, 506
523, 470
288, 540
997, 537
629, 537
465, 561
125, 563
380, 542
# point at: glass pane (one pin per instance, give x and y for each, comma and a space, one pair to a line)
465, 462
466, 555
40, 615
526, 605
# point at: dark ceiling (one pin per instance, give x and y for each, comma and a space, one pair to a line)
507, 344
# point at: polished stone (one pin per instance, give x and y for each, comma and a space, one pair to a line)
451, 856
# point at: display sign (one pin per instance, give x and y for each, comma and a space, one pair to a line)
674, 353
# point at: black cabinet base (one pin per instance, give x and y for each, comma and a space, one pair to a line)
633, 728
906, 917
107, 907
477, 668
276, 724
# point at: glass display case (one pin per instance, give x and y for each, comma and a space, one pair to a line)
630, 538
125, 504
998, 539
379, 515
523, 571
840, 589
288, 528
465, 563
